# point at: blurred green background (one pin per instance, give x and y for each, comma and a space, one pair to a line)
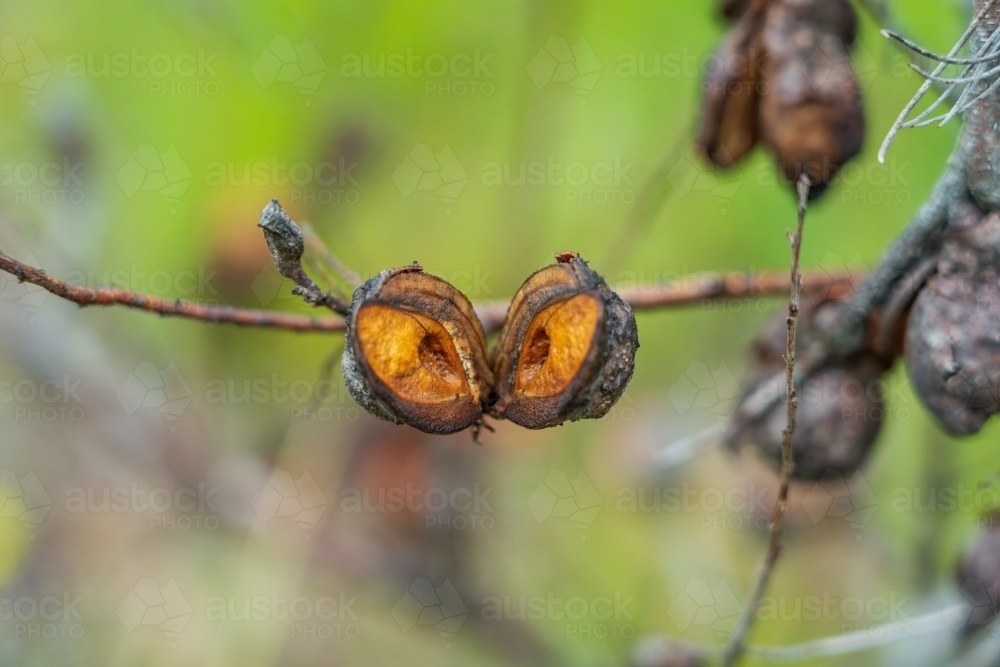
180, 493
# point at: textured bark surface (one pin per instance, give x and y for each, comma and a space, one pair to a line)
981, 138
953, 335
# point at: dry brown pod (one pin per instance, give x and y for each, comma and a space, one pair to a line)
783, 76
731, 93
811, 116
978, 577
841, 405
567, 349
415, 352
733, 9
953, 332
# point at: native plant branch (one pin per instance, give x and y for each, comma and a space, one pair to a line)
709, 287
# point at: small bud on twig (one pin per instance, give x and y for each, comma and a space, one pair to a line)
287, 245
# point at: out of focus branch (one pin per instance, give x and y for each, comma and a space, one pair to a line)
705, 288
737, 643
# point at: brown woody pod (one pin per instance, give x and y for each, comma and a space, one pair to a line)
415, 352
953, 332
841, 406
733, 9
567, 349
811, 116
731, 93
978, 577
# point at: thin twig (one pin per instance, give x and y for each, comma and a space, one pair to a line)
737, 643
287, 245
700, 289
848, 334
113, 296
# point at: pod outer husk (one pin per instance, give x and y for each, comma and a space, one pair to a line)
811, 115
953, 333
729, 105
606, 369
408, 288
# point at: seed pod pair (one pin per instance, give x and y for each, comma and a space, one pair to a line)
416, 351
783, 76
841, 405
953, 332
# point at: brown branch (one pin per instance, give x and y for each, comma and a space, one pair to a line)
737, 643
112, 296
704, 288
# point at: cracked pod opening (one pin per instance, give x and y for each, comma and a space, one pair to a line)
416, 352
567, 349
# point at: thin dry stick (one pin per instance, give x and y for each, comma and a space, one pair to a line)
708, 287
737, 643
112, 296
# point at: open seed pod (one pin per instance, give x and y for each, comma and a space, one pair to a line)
811, 116
415, 352
953, 333
567, 349
841, 406
978, 577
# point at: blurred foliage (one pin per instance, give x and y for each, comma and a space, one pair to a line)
110, 222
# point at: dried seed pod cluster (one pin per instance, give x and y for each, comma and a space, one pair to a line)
783, 76
953, 332
416, 352
978, 578
841, 405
